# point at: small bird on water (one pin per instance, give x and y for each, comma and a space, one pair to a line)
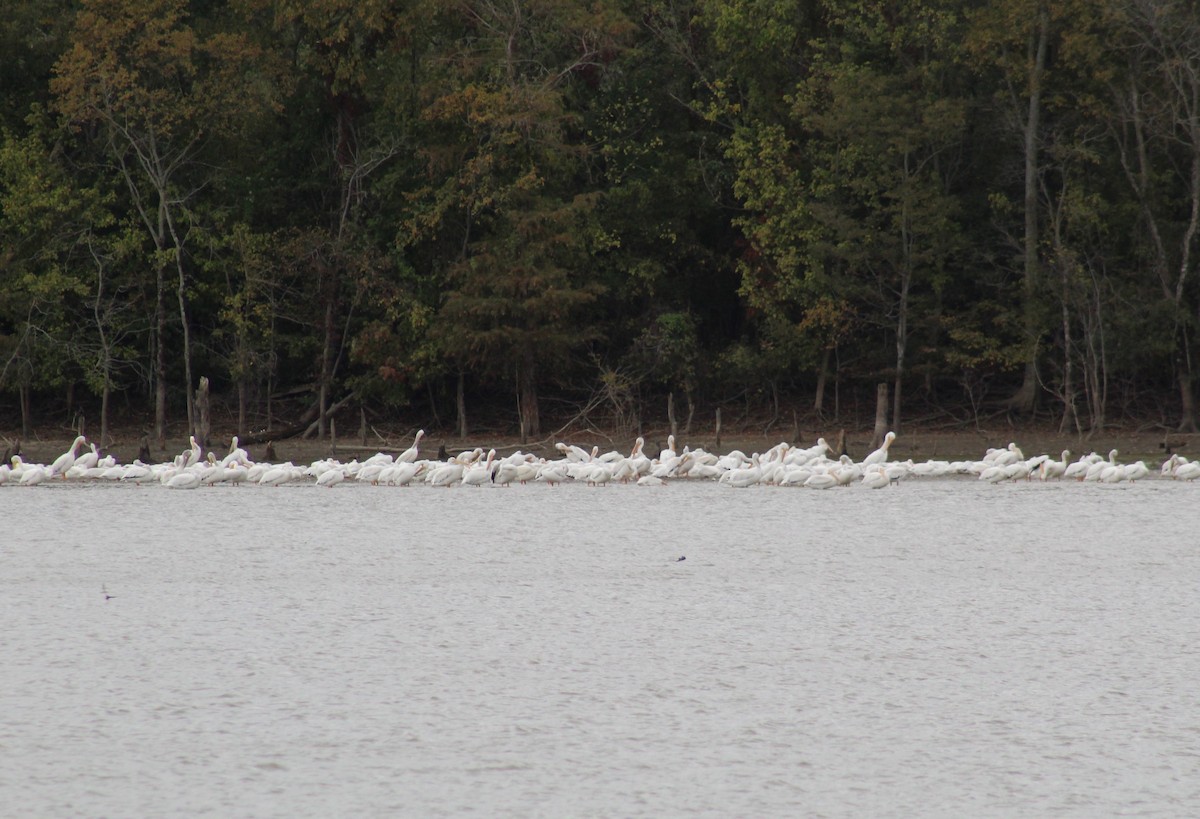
104, 591
681, 557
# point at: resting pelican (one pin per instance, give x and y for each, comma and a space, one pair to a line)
33, 474
874, 477
551, 473
1187, 471
331, 477
447, 474
821, 480
185, 479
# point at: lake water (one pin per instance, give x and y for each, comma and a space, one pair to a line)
941, 648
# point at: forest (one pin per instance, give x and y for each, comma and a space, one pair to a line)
519, 214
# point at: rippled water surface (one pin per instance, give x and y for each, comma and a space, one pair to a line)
942, 648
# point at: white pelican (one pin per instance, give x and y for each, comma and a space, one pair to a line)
669, 452
1187, 471
821, 480
331, 477
874, 477
184, 479
65, 461
880, 455
409, 455
552, 473
479, 473
213, 473
446, 474
506, 472
1055, 469
599, 474
1097, 469
744, 477
87, 460
192, 456
1136, 471
33, 474
637, 458
1078, 469
236, 455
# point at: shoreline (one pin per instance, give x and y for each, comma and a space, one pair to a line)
1154, 447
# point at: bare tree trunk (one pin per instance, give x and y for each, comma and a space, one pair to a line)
326, 362
527, 388
901, 349
160, 363
717, 433
23, 393
1187, 402
201, 414
1026, 396
822, 377
104, 397
242, 397
1070, 414
881, 415
461, 404
671, 414
181, 292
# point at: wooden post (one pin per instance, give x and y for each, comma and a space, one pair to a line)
332, 437
362, 426
718, 434
881, 415
795, 428
671, 414
841, 444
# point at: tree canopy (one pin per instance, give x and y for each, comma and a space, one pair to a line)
542, 210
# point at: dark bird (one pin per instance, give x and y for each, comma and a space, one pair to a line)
104, 591
681, 557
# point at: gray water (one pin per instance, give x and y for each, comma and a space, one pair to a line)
942, 648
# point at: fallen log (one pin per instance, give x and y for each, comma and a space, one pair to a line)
305, 425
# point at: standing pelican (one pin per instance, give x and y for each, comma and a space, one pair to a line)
192, 456
409, 455
65, 461
880, 455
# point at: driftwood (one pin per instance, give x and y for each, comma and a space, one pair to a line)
305, 425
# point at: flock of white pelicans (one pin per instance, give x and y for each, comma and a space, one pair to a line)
782, 465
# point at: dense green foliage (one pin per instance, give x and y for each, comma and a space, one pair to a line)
545, 209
